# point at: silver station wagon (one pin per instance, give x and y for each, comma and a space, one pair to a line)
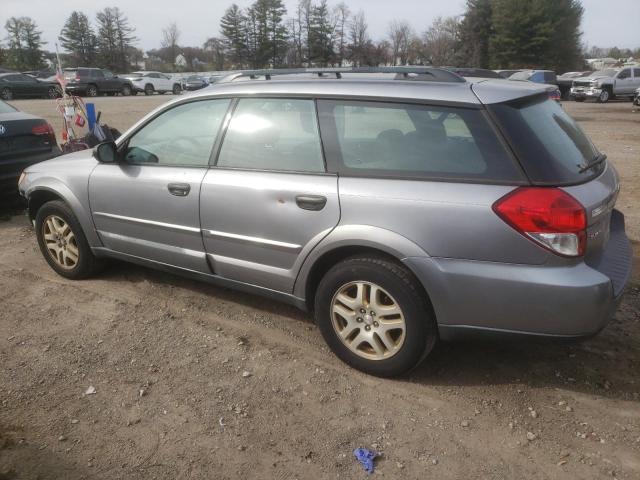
400, 205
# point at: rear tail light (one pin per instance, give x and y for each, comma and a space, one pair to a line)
45, 129
549, 216
77, 79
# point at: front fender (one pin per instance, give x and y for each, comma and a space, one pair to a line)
80, 207
365, 236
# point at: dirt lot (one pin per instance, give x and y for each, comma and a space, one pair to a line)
167, 358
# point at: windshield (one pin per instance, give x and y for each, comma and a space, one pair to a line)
6, 108
550, 144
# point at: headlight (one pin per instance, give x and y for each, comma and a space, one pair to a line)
23, 175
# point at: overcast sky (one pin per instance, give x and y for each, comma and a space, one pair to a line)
605, 24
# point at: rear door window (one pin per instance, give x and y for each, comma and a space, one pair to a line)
551, 146
273, 134
403, 140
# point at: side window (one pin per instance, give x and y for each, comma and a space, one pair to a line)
97, 74
273, 134
183, 135
402, 140
107, 74
626, 73
636, 73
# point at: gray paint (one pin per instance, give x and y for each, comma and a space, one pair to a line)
243, 229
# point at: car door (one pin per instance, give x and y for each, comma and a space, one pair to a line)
624, 82
147, 204
268, 200
111, 82
636, 79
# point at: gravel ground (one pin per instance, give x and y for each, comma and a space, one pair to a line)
195, 382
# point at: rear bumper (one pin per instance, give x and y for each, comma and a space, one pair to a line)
561, 301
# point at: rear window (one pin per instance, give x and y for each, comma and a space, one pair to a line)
403, 140
551, 146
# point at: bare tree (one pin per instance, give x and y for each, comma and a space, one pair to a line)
341, 14
170, 38
358, 38
400, 36
441, 40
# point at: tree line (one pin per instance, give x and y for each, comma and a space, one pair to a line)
489, 34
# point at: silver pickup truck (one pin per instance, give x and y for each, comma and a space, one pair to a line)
607, 84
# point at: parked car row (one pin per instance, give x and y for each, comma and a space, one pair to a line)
605, 85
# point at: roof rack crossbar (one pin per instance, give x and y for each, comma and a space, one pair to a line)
405, 73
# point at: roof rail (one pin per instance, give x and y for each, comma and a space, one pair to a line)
433, 74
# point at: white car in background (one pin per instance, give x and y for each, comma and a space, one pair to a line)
150, 82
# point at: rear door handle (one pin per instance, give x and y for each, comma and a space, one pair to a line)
179, 189
311, 202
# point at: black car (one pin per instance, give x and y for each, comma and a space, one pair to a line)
18, 85
95, 81
24, 140
194, 82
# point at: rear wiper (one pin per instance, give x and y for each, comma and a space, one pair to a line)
598, 160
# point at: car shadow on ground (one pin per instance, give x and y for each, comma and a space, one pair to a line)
606, 364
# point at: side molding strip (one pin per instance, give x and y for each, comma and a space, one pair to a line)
171, 226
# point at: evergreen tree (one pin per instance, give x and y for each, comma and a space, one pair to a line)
233, 27
321, 35
475, 32
77, 37
25, 43
115, 39
536, 34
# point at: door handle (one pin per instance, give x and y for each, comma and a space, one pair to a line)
311, 202
179, 189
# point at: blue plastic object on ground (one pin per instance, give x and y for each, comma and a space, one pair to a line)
365, 457
91, 115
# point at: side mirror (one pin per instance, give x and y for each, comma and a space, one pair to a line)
106, 152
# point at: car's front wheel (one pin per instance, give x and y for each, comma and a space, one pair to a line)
148, 89
374, 315
6, 94
126, 90
605, 95
63, 243
176, 89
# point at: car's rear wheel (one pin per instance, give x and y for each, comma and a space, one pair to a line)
374, 315
148, 89
176, 89
126, 90
92, 91
6, 94
52, 92
63, 243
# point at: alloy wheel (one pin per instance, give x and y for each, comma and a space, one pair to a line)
6, 94
368, 320
60, 242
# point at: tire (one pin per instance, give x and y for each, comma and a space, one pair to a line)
85, 263
126, 90
6, 94
176, 89
52, 93
605, 96
397, 287
148, 89
92, 91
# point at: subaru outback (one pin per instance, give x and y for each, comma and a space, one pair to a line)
400, 206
